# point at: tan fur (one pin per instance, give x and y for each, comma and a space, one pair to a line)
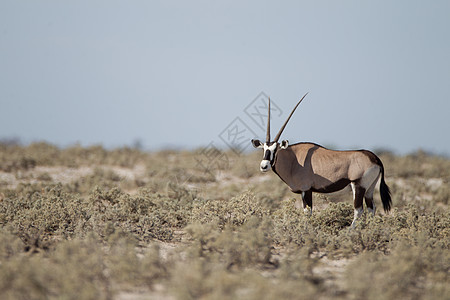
308, 166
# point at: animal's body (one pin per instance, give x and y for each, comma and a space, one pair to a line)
308, 168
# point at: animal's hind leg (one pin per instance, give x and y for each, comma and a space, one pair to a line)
307, 202
358, 195
368, 182
368, 197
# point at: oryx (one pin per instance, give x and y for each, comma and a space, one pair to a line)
308, 167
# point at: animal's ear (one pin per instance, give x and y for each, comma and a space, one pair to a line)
257, 144
284, 144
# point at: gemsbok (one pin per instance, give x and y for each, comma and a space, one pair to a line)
308, 168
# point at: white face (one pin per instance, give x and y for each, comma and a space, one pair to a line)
269, 152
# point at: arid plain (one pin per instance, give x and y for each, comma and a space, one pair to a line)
91, 223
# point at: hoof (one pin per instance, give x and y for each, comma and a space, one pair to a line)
307, 210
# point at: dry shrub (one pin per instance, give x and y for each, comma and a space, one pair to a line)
15, 157
442, 195
289, 223
418, 164
249, 244
22, 277
147, 215
329, 230
334, 218
257, 287
432, 223
90, 239
322, 230
298, 265
409, 272
371, 233
182, 175
271, 191
182, 167
245, 166
236, 211
100, 178
75, 270
81, 269
10, 245
49, 210
18, 163
413, 226
203, 280
130, 266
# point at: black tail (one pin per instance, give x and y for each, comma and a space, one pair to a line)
385, 192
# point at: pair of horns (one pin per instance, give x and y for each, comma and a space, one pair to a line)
277, 137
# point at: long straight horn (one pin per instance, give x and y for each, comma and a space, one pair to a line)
285, 123
268, 125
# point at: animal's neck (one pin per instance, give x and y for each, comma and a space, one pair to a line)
278, 167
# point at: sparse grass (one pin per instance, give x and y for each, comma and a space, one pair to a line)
174, 230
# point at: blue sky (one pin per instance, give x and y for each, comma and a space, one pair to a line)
179, 73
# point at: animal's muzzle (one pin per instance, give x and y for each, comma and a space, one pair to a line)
265, 166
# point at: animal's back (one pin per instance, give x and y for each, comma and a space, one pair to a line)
328, 166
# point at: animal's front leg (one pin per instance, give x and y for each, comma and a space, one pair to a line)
307, 202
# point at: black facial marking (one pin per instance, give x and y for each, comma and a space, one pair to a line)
267, 155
